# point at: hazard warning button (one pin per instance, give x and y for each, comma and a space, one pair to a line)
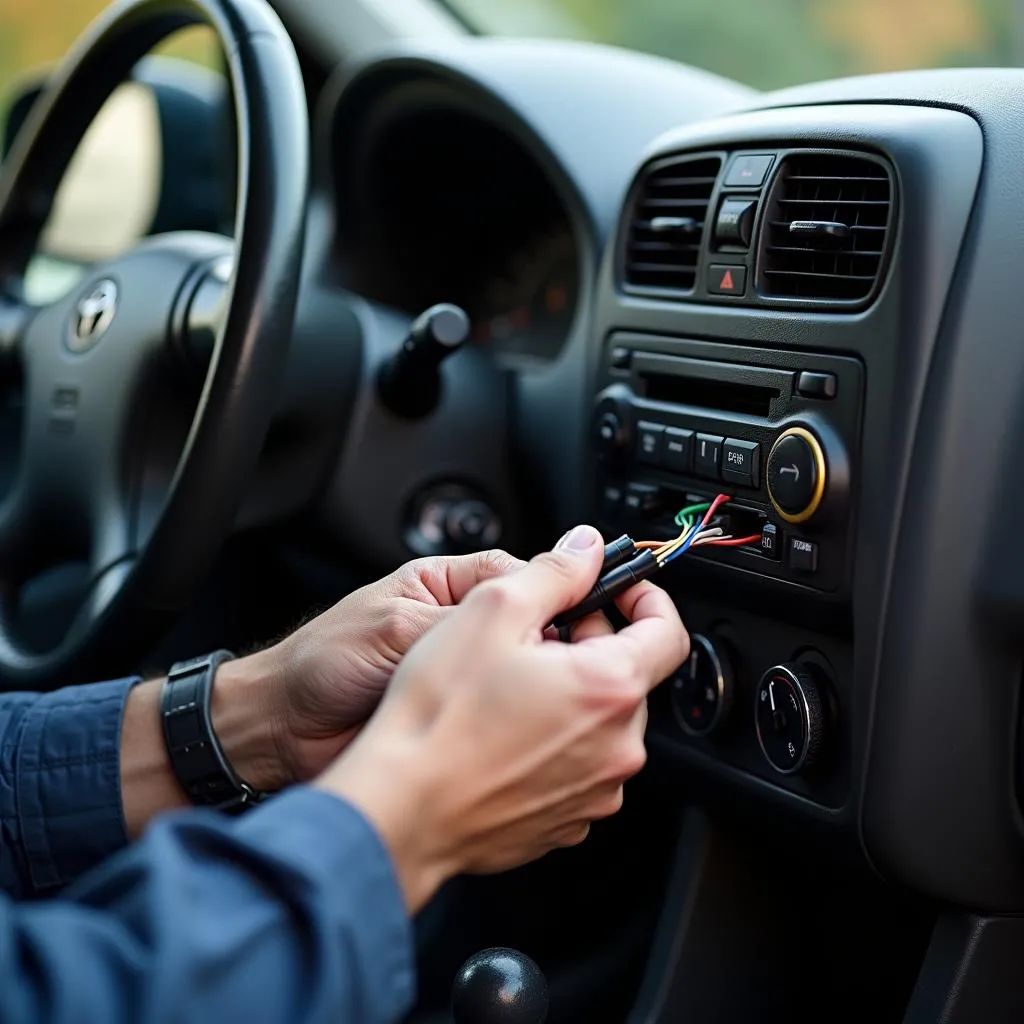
726, 280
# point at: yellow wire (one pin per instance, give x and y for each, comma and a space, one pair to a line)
667, 549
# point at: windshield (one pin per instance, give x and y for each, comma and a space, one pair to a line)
773, 43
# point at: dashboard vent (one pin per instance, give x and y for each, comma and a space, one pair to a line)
827, 227
667, 224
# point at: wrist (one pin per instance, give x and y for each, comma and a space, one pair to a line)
247, 719
387, 782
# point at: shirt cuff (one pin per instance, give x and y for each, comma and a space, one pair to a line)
332, 842
68, 787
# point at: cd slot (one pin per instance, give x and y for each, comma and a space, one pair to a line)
704, 393
756, 391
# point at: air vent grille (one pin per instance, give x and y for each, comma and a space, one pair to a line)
827, 228
667, 224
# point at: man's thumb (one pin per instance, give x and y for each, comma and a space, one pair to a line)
556, 580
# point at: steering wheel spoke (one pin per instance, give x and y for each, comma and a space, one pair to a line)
22, 543
15, 316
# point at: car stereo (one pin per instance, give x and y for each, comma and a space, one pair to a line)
679, 420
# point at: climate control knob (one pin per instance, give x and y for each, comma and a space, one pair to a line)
797, 474
701, 689
789, 716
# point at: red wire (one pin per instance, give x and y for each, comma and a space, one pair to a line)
735, 542
720, 500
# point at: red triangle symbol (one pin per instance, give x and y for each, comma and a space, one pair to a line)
727, 285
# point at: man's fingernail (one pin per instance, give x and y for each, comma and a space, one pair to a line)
579, 538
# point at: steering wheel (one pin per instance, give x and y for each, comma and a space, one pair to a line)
100, 378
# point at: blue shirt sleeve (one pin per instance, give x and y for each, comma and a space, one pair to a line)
60, 784
290, 914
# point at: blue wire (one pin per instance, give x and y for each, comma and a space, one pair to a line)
684, 547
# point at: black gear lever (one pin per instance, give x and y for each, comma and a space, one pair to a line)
410, 381
499, 986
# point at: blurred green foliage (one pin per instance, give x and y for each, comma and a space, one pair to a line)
36, 33
772, 43
766, 43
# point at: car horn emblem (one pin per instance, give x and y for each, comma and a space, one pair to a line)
93, 315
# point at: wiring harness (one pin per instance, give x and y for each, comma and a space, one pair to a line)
627, 562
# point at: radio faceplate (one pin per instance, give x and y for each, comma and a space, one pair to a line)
679, 420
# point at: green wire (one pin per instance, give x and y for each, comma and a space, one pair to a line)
683, 516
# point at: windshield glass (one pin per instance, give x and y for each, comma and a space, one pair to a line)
773, 43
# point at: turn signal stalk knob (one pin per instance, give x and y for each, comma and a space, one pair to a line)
410, 381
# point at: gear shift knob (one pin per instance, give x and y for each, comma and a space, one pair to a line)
410, 381
499, 986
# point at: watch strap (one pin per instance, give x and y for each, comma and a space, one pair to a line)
197, 758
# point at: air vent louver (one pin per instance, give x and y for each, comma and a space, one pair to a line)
827, 228
667, 224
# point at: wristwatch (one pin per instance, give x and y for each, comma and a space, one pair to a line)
197, 758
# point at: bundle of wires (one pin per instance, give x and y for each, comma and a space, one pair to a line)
624, 566
695, 532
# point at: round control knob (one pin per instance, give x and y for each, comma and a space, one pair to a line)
790, 718
611, 423
701, 689
499, 986
608, 434
797, 474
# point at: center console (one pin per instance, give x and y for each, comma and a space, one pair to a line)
761, 335
678, 421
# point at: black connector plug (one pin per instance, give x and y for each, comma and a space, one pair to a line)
609, 586
618, 551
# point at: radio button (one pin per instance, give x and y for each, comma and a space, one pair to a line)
643, 498
707, 455
650, 442
678, 449
741, 462
803, 555
735, 222
816, 385
611, 498
749, 170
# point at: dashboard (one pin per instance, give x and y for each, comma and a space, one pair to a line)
680, 288
796, 314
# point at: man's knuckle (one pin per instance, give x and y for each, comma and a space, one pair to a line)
628, 687
496, 598
396, 627
574, 834
629, 759
496, 562
609, 803
682, 644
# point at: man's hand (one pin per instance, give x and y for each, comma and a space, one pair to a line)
318, 687
495, 744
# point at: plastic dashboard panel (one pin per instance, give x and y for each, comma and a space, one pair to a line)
932, 626
937, 156
940, 807
936, 670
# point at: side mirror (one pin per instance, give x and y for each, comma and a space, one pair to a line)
160, 156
